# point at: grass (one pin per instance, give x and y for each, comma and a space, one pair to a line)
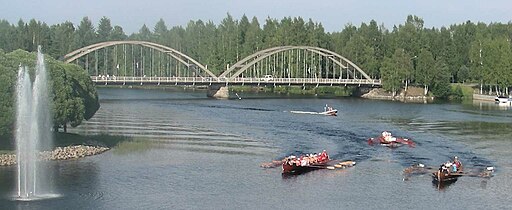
465, 90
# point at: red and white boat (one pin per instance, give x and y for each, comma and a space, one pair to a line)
304, 163
386, 139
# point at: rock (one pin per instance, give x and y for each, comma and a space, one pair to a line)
59, 153
413, 94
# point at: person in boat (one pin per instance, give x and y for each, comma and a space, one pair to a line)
388, 137
443, 169
326, 107
448, 167
457, 165
304, 161
323, 156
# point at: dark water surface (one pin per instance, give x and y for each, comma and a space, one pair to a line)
192, 152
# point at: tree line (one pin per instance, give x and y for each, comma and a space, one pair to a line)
406, 54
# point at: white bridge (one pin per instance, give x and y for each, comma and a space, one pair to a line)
121, 80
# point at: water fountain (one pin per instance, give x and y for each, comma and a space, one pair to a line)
33, 132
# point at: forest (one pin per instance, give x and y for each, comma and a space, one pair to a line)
402, 55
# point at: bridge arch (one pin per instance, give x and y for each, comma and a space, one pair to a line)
336, 59
179, 56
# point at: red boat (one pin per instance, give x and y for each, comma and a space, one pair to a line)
385, 139
304, 163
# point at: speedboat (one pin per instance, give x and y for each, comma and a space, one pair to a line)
328, 112
502, 100
332, 112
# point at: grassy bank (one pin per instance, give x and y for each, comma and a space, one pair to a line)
461, 91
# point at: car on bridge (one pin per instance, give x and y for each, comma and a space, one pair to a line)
267, 78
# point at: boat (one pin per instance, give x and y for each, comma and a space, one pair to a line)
333, 112
304, 163
449, 171
502, 100
440, 176
385, 139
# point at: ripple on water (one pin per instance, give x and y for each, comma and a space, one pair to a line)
37, 197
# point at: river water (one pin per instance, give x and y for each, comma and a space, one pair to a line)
192, 152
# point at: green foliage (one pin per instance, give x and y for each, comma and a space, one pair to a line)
441, 83
460, 92
396, 70
7, 87
471, 52
73, 93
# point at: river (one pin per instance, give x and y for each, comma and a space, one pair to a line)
192, 152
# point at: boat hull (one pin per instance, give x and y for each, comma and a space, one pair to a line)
444, 177
503, 101
392, 144
294, 169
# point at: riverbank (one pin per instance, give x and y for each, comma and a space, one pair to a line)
413, 94
327, 91
480, 97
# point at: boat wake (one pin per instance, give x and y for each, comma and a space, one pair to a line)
331, 112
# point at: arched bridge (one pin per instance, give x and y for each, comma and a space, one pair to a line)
147, 63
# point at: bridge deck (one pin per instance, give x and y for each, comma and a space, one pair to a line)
112, 80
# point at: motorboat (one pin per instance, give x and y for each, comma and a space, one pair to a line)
502, 100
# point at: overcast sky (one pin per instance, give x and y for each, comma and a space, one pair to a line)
333, 14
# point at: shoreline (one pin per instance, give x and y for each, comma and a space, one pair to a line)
59, 153
412, 95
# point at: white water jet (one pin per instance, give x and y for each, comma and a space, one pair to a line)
33, 132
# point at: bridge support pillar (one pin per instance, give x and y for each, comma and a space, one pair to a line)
218, 91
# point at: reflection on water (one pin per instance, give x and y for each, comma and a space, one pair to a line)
442, 186
191, 152
134, 146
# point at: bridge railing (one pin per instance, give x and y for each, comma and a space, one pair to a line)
237, 80
305, 81
118, 79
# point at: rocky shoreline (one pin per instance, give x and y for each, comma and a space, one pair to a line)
412, 95
59, 153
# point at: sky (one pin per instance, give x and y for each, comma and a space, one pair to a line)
333, 14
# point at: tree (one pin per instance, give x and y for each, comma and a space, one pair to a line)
243, 27
441, 83
144, 34
425, 69
118, 33
270, 33
395, 70
61, 37
6, 39
104, 30
73, 93
85, 34
463, 73
7, 90
253, 38
160, 29
228, 43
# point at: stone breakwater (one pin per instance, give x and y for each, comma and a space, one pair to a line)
59, 153
414, 94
